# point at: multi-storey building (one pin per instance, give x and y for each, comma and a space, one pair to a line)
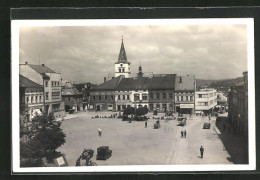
238, 107
51, 82
31, 98
185, 87
72, 98
102, 97
161, 92
205, 100
132, 92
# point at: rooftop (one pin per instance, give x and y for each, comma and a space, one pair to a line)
25, 82
185, 83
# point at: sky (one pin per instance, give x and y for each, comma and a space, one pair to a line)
88, 53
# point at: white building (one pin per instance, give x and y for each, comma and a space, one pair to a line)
51, 82
122, 66
205, 100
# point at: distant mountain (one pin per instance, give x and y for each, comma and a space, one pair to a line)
219, 84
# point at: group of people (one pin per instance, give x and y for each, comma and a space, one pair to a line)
183, 133
111, 116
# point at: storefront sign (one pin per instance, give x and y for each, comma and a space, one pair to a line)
187, 106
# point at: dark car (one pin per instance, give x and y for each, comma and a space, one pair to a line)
103, 152
87, 153
206, 126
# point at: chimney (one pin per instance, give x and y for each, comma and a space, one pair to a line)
105, 79
43, 65
26, 63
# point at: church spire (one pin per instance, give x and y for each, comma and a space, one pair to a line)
122, 54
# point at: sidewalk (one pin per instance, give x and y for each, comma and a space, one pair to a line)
236, 145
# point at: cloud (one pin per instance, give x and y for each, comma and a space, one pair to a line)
88, 53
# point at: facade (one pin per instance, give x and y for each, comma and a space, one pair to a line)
161, 92
51, 82
102, 97
73, 99
185, 87
122, 66
132, 92
31, 98
238, 107
205, 100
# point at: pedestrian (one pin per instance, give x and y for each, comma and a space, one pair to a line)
181, 133
209, 118
146, 124
201, 151
99, 132
185, 133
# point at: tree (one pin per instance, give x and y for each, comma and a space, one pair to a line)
141, 111
129, 111
46, 136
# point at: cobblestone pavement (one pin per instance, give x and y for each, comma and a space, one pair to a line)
133, 144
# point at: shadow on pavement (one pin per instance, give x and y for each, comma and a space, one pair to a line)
236, 145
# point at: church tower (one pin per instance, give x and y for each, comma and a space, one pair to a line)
122, 66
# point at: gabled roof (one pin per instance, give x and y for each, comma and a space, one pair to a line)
163, 82
110, 85
122, 54
70, 91
41, 69
25, 82
185, 83
134, 84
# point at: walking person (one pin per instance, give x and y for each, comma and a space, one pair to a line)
146, 124
201, 151
99, 132
185, 133
182, 134
209, 118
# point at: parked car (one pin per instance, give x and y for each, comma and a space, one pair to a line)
87, 153
103, 152
206, 126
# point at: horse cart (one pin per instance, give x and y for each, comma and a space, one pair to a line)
84, 159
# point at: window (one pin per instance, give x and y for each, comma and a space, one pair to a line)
119, 98
151, 96
123, 70
157, 95
58, 83
178, 99
112, 97
46, 83
52, 83
105, 97
55, 95
191, 98
47, 95
123, 98
119, 70
144, 97
164, 95
99, 97
27, 100
203, 95
36, 99
181, 98
40, 99
69, 98
187, 98
94, 98
171, 96
128, 97
137, 97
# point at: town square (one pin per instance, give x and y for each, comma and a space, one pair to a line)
125, 95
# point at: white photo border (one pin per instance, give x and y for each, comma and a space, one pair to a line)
15, 26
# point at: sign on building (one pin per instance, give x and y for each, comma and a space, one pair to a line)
186, 105
60, 161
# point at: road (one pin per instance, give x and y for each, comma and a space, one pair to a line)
133, 144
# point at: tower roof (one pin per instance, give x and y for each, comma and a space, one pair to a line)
122, 54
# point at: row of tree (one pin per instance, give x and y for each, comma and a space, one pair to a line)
131, 111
